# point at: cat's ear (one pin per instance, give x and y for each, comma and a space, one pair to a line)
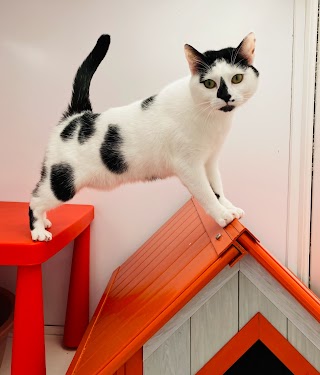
194, 58
247, 47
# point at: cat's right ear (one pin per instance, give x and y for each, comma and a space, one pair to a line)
194, 58
247, 47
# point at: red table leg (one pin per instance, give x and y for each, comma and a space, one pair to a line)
28, 350
77, 316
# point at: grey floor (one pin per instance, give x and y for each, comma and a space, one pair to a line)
57, 358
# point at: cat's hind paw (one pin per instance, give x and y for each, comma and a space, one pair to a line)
40, 234
47, 223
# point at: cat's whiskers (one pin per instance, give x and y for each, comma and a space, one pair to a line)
203, 112
246, 96
203, 108
243, 99
208, 117
191, 109
196, 115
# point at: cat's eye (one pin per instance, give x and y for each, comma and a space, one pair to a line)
209, 83
237, 78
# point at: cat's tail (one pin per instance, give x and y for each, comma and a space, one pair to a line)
80, 95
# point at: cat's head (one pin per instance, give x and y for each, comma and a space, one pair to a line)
222, 80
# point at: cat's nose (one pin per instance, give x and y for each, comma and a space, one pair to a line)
222, 92
224, 96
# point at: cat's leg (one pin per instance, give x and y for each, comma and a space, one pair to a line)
194, 177
46, 221
50, 192
40, 203
215, 181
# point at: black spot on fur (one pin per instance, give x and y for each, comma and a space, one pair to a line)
147, 102
69, 131
255, 70
227, 108
110, 151
223, 92
32, 219
87, 122
230, 55
216, 194
43, 173
42, 178
62, 181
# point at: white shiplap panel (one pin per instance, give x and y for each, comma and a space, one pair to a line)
281, 298
214, 324
173, 356
189, 309
303, 345
251, 301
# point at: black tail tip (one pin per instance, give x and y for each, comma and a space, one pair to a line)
104, 40
101, 47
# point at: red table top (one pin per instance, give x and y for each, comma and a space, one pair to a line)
16, 245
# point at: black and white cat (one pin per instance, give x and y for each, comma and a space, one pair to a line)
179, 131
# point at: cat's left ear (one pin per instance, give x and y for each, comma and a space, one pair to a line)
247, 47
194, 58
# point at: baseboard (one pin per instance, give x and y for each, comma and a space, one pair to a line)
54, 330
50, 330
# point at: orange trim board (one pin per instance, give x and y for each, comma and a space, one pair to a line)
134, 366
286, 278
258, 328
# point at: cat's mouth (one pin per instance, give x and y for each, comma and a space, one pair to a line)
227, 108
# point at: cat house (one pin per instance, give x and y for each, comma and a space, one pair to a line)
199, 299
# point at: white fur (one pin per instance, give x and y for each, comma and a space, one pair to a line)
181, 134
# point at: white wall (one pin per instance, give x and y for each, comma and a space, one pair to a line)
42, 44
315, 238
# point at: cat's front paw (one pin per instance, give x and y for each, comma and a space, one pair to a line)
40, 234
237, 212
224, 217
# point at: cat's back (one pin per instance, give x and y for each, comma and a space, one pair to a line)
147, 124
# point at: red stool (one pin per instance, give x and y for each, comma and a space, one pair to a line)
69, 222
